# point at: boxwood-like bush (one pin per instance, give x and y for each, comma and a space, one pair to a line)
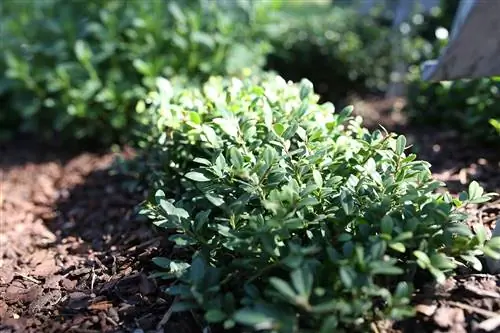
336, 48
77, 69
469, 106
288, 216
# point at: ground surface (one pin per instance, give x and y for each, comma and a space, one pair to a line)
75, 258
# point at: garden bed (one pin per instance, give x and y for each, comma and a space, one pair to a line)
75, 258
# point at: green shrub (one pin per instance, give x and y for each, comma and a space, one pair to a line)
340, 51
77, 69
469, 106
335, 48
288, 216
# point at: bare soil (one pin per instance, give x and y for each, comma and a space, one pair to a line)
74, 256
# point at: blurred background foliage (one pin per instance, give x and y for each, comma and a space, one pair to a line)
75, 70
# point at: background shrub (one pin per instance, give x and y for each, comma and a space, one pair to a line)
334, 47
346, 53
288, 216
77, 69
469, 106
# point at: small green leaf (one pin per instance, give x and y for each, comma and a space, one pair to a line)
442, 262
195, 117
481, 233
347, 202
403, 236
142, 67
386, 225
167, 207
215, 200
346, 277
82, 51
252, 318
210, 135
475, 262
202, 161
480, 200
475, 190
403, 290
400, 144
306, 88
302, 280
438, 274
269, 156
386, 268
492, 253
176, 12
236, 157
197, 270
279, 129
318, 179
422, 259
196, 176
290, 131
215, 316
162, 262
159, 195
400, 247
283, 287
220, 164
494, 242
346, 112
229, 126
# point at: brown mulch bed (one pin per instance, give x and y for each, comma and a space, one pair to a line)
74, 256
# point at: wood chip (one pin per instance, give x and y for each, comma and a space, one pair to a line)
446, 317
481, 292
490, 325
100, 306
427, 310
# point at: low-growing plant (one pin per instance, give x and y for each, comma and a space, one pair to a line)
76, 70
288, 216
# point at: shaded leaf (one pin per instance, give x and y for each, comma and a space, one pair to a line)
196, 176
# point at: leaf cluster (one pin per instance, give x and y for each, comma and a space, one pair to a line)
288, 216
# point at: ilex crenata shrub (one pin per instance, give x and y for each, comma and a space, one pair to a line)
288, 216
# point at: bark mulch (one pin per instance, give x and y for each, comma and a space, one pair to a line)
74, 256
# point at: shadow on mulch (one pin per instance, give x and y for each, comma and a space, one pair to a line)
74, 255
31, 149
